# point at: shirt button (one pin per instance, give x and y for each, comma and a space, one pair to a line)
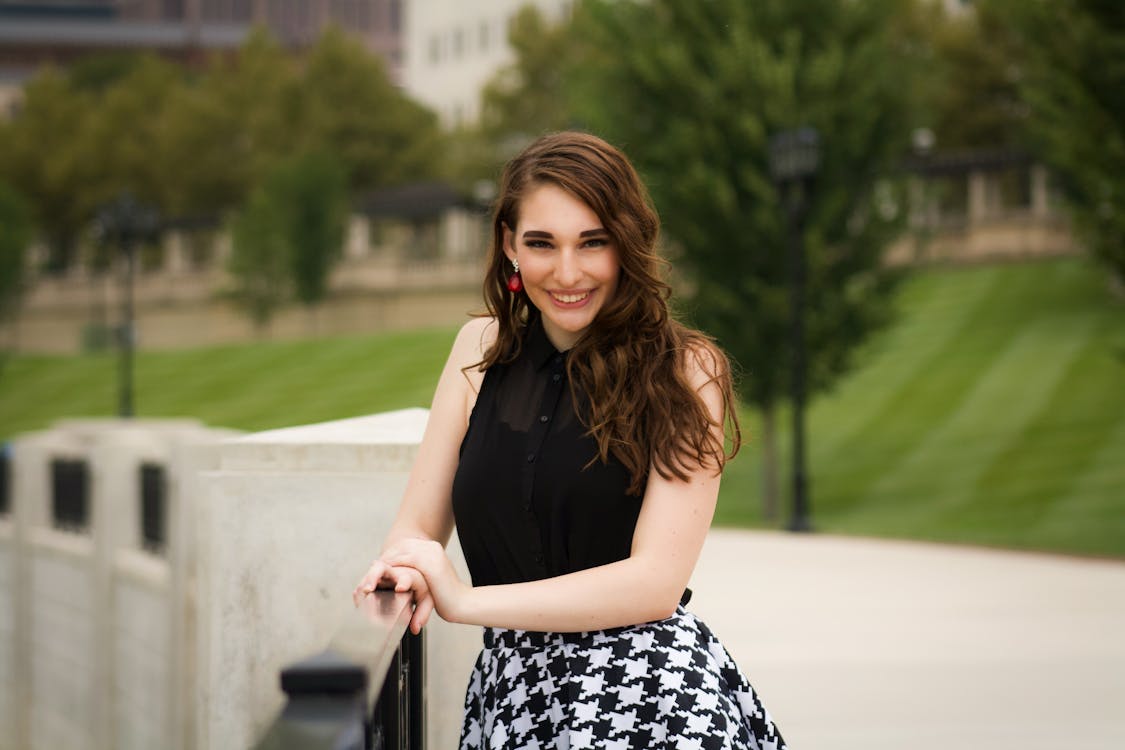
556, 377
531, 458
539, 559
543, 417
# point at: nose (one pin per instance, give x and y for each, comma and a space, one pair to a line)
567, 271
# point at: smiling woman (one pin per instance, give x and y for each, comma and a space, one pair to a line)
576, 439
566, 259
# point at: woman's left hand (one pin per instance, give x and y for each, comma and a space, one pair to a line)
428, 558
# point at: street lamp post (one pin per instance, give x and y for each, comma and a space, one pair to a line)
794, 157
127, 223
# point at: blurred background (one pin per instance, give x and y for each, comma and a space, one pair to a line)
265, 199
903, 219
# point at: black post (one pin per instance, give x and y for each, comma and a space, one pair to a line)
794, 159
797, 274
127, 223
125, 332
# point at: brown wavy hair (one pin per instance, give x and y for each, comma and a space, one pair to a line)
628, 371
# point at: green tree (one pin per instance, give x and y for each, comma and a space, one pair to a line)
258, 263
124, 136
968, 88
1072, 77
531, 95
693, 91
15, 237
47, 156
289, 236
225, 133
312, 191
349, 106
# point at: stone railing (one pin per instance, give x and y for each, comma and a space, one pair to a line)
156, 577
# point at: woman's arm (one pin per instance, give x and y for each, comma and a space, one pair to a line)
426, 511
669, 536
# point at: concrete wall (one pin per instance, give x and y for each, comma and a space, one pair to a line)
106, 642
91, 646
288, 522
185, 308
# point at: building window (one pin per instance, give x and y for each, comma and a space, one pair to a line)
482, 36
70, 495
458, 44
435, 49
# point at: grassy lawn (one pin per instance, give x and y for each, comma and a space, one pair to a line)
992, 413
250, 387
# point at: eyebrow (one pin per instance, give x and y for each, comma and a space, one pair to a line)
536, 234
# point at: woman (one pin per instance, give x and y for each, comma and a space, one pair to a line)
576, 437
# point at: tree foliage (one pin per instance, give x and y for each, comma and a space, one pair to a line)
15, 236
258, 263
198, 144
46, 154
693, 91
311, 190
531, 96
348, 105
1072, 78
289, 235
969, 85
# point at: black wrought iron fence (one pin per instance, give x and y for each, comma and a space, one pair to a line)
364, 692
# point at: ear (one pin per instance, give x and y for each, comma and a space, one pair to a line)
509, 245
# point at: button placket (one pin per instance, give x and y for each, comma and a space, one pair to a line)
536, 436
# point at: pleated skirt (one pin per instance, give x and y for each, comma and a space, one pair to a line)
665, 684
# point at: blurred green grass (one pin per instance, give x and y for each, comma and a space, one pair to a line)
992, 413
255, 386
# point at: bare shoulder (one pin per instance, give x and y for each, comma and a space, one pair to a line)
704, 363
473, 340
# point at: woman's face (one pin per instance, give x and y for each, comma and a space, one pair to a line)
567, 260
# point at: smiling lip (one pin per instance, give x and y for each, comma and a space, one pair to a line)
570, 299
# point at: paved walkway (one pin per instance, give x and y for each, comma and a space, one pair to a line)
881, 645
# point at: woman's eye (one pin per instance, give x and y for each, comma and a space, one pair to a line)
598, 242
538, 244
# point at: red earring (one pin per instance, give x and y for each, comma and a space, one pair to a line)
515, 281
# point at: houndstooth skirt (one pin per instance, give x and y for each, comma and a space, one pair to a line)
665, 684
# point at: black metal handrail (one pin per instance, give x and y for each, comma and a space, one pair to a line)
364, 692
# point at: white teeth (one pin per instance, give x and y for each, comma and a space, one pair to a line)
569, 298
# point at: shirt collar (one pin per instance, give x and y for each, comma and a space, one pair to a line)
539, 348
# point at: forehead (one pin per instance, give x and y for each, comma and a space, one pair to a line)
548, 207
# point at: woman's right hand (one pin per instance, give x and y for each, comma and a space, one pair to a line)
401, 579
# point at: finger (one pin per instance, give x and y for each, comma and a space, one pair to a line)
410, 579
421, 614
379, 572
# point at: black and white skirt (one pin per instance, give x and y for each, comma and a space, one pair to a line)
665, 684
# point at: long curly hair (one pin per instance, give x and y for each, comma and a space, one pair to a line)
629, 371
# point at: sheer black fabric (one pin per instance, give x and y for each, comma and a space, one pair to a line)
526, 504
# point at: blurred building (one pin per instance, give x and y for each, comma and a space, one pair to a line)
35, 32
454, 47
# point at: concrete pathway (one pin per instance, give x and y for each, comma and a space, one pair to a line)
884, 645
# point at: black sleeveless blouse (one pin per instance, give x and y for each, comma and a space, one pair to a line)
526, 505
